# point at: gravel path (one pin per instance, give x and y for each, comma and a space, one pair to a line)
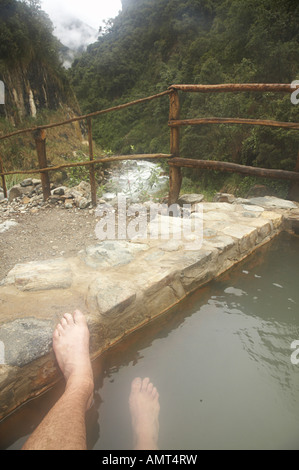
52, 232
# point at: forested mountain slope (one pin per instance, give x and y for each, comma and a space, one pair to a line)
155, 43
30, 66
37, 88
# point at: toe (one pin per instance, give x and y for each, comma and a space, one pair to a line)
136, 385
69, 318
63, 323
145, 384
60, 329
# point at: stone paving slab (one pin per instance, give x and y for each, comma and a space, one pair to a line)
121, 285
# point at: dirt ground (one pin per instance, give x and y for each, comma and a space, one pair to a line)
50, 233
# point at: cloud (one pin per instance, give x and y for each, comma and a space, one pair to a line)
91, 12
75, 34
76, 22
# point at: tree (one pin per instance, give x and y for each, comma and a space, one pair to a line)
153, 43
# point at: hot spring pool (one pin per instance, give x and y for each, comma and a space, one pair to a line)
221, 361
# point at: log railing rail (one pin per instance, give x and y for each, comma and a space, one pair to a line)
174, 160
176, 163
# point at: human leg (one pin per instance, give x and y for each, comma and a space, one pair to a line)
145, 408
63, 428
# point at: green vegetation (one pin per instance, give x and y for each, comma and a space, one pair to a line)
26, 34
64, 145
29, 58
155, 43
30, 64
151, 45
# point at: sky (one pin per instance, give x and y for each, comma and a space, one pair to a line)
92, 12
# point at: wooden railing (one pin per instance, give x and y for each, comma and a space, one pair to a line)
174, 160
176, 163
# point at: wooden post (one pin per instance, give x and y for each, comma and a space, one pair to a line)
3, 178
91, 168
175, 174
40, 142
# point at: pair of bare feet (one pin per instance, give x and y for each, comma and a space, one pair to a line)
71, 347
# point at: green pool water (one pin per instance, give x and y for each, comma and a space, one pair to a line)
221, 361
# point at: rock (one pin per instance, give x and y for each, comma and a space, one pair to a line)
34, 211
111, 253
37, 199
110, 299
172, 245
83, 203
26, 200
54, 199
215, 206
68, 204
25, 340
253, 208
271, 201
59, 191
36, 181
19, 191
224, 197
164, 227
250, 215
190, 199
84, 187
26, 182
40, 275
83, 190
7, 225
71, 193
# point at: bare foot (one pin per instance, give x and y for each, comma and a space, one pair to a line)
144, 407
71, 347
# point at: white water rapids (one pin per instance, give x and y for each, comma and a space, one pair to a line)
136, 180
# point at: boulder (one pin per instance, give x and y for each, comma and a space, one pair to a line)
40, 275
25, 340
190, 199
111, 299
59, 191
272, 202
19, 191
83, 203
26, 182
